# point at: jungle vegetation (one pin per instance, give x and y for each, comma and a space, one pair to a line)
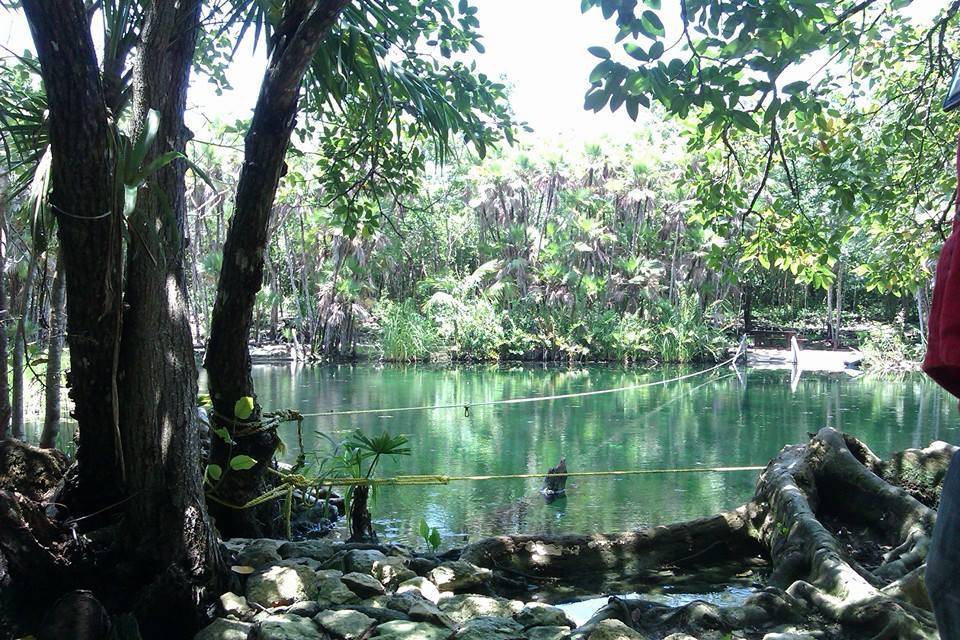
790, 166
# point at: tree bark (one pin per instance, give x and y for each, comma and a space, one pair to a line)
20, 348
89, 230
4, 317
170, 537
227, 361
51, 418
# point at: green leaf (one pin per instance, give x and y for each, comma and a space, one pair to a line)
795, 87
600, 52
435, 539
242, 462
214, 472
243, 408
224, 435
652, 23
424, 530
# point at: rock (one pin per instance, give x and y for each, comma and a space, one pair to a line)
258, 553
234, 606
344, 624
380, 614
223, 629
310, 563
320, 550
490, 628
548, 633
538, 614
392, 571
276, 586
788, 636
305, 609
422, 566
422, 586
679, 636
403, 601
465, 607
77, 614
363, 584
458, 575
401, 630
289, 627
361, 560
331, 591
426, 611
614, 630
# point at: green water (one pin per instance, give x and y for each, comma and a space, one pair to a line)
717, 420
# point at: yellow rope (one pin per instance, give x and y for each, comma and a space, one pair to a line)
469, 405
440, 479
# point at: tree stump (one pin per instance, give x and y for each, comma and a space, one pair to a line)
555, 482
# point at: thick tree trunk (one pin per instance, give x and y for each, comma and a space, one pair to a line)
171, 540
89, 230
228, 358
51, 418
20, 349
845, 546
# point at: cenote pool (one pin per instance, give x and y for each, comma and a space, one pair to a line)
714, 420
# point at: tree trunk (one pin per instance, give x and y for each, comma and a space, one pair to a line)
89, 230
228, 358
4, 317
51, 418
846, 550
170, 536
20, 349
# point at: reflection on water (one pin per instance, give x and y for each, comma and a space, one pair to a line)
707, 421
704, 421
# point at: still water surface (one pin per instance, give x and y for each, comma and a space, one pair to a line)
716, 420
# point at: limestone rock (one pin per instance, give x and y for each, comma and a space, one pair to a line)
548, 633
538, 614
403, 601
223, 629
422, 586
426, 611
380, 614
490, 628
614, 630
363, 584
277, 586
392, 571
289, 627
331, 591
464, 607
345, 623
422, 566
306, 609
361, 560
402, 630
320, 550
681, 636
458, 575
258, 553
234, 606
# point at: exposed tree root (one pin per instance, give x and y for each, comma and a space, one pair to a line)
845, 544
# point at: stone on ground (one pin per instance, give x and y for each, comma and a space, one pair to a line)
426, 611
361, 560
223, 629
422, 586
258, 553
614, 630
458, 575
278, 586
463, 608
234, 606
538, 614
362, 584
548, 633
331, 591
392, 571
289, 627
346, 624
319, 550
402, 630
490, 628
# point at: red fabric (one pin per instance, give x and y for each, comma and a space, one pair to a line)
942, 362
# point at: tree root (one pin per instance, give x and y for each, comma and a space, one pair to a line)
846, 547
